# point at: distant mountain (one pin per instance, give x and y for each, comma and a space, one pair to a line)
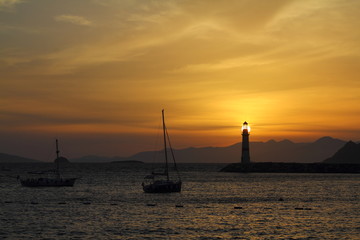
93, 158
349, 153
13, 159
128, 162
300, 152
271, 151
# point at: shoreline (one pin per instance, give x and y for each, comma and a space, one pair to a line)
281, 167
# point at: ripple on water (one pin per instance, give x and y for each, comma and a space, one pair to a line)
327, 207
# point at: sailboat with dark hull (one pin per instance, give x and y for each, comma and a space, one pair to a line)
56, 181
159, 182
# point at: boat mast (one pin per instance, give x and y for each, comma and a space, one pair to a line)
166, 157
57, 149
57, 159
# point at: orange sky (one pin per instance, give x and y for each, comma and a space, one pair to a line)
96, 73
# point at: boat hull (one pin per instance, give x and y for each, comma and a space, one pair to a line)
48, 182
162, 187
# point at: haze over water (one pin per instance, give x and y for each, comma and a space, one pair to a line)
108, 203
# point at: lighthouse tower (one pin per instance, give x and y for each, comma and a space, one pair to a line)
245, 154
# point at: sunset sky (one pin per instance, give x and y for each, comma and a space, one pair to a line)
96, 73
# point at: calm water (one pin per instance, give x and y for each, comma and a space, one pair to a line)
108, 203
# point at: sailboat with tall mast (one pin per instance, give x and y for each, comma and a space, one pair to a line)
160, 182
55, 181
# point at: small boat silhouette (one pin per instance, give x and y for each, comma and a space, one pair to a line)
56, 181
159, 182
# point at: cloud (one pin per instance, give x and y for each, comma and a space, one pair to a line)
77, 20
225, 64
212, 64
8, 4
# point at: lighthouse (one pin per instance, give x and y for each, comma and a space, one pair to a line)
245, 154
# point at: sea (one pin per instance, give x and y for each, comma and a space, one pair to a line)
107, 202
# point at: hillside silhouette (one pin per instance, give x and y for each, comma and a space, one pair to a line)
4, 158
349, 153
270, 151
